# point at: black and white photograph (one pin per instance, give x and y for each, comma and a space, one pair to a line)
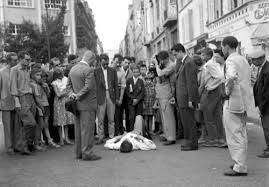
134, 93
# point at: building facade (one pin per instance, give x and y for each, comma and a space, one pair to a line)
205, 23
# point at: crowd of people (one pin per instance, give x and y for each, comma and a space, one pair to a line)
202, 99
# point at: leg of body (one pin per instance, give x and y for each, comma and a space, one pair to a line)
101, 111
131, 115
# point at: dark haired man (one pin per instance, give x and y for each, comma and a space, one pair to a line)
7, 104
107, 88
135, 92
143, 71
24, 101
119, 129
237, 88
212, 98
187, 96
165, 91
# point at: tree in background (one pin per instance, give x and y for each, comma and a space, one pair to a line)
35, 41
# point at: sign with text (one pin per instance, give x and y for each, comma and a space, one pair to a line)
260, 12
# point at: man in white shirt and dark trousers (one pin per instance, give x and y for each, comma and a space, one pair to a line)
106, 86
237, 88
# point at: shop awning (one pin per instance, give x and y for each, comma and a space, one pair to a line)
261, 32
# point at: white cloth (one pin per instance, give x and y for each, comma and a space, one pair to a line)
237, 87
105, 76
236, 136
138, 142
61, 84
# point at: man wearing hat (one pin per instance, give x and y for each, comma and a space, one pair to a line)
261, 94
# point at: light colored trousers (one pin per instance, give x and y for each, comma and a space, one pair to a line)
107, 108
168, 119
236, 135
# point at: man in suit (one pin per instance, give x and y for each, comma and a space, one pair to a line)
128, 74
176, 52
261, 94
135, 91
82, 87
7, 104
237, 88
187, 97
106, 84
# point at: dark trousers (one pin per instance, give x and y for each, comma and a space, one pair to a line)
134, 110
119, 129
265, 126
84, 133
212, 105
189, 126
180, 129
27, 115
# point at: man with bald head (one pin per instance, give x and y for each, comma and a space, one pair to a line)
82, 88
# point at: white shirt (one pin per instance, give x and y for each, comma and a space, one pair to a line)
83, 62
135, 80
105, 76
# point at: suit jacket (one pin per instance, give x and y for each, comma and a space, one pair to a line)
261, 90
112, 81
237, 83
137, 92
81, 81
187, 83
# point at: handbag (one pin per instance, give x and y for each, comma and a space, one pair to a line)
71, 106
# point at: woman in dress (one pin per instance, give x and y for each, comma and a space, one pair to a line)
62, 118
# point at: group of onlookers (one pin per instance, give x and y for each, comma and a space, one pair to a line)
202, 99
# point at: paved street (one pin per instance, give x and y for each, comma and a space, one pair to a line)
167, 166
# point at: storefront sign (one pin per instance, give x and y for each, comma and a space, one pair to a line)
260, 12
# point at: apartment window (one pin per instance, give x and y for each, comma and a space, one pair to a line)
14, 29
66, 31
235, 3
20, 3
53, 4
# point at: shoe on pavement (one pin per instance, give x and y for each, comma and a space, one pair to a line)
265, 154
92, 157
187, 148
266, 149
223, 145
100, 141
10, 152
170, 142
232, 173
210, 144
163, 139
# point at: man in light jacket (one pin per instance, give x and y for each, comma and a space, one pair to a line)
237, 88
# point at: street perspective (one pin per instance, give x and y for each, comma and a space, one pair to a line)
134, 93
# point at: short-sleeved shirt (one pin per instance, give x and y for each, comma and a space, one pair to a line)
20, 81
39, 94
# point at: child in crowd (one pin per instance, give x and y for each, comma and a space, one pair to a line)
135, 91
149, 100
41, 92
62, 118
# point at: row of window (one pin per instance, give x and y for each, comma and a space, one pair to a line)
229, 18
51, 4
14, 29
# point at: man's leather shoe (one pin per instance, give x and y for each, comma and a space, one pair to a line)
233, 173
170, 142
187, 148
101, 141
265, 154
91, 157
